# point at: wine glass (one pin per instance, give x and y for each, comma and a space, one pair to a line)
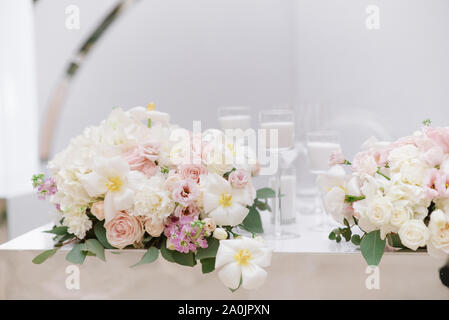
320, 145
283, 121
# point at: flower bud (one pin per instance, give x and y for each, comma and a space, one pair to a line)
220, 234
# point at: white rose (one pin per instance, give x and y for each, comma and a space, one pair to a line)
438, 245
220, 234
379, 211
400, 214
414, 234
413, 171
402, 154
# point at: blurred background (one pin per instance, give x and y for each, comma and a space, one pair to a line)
363, 67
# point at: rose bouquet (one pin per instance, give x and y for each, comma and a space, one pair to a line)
137, 181
397, 194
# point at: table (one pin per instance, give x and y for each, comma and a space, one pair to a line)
309, 267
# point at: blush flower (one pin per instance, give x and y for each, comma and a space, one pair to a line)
142, 158
192, 171
238, 178
336, 157
190, 210
124, 230
185, 192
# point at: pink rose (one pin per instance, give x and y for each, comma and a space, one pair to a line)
98, 210
192, 171
238, 178
142, 157
364, 162
440, 136
336, 157
124, 230
154, 229
434, 156
190, 210
185, 192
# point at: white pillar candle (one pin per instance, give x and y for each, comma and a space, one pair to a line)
235, 122
319, 153
286, 133
288, 198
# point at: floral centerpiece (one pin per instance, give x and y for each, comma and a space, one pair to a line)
396, 193
138, 181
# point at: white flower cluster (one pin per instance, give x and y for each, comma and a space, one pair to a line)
398, 188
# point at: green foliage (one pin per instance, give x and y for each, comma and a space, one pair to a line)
149, 257
350, 198
252, 222
394, 240
76, 255
356, 239
100, 233
93, 247
372, 247
210, 251
165, 252
185, 259
60, 230
265, 193
207, 265
44, 256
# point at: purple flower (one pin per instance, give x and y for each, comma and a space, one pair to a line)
46, 188
186, 233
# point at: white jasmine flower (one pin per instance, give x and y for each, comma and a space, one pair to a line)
113, 179
221, 202
242, 259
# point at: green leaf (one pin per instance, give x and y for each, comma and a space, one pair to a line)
332, 235
149, 257
44, 256
184, 259
350, 198
356, 239
394, 240
265, 193
210, 251
60, 231
226, 175
76, 255
372, 247
262, 205
165, 252
94, 247
252, 222
234, 290
345, 221
207, 265
346, 233
100, 233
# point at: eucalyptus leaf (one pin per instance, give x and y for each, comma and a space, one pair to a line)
210, 251
372, 247
355, 239
100, 233
94, 247
76, 255
252, 222
207, 265
149, 257
184, 259
265, 193
60, 230
44, 256
165, 252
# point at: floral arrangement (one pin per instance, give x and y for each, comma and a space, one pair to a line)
138, 181
397, 194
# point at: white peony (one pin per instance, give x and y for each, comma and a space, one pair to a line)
77, 221
399, 156
221, 202
438, 245
154, 201
414, 234
243, 259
